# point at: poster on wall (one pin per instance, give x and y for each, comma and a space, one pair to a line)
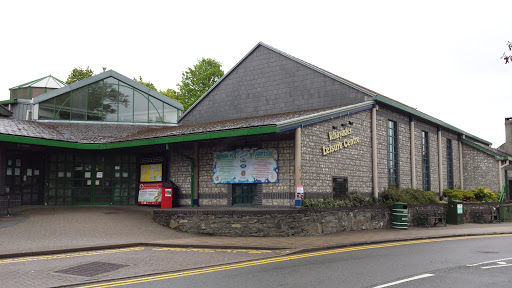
245, 166
151, 172
150, 193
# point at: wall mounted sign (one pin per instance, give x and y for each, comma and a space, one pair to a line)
151, 172
245, 166
150, 193
342, 141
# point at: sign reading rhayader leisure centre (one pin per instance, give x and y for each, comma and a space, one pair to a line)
342, 142
245, 166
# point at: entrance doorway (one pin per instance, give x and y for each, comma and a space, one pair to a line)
93, 178
24, 177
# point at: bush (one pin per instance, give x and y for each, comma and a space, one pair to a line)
407, 195
353, 199
479, 194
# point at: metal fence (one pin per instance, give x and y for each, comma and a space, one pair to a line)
9, 201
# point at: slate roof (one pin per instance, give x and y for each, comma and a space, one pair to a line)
98, 133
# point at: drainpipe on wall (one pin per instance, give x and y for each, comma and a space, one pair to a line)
191, 178
413, 158
461, 171
196, 172
440, 160
500, 167
375, 173
298, 157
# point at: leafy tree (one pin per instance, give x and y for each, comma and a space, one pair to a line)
197, 80
171, 93
147, 84
78, 74
506, 57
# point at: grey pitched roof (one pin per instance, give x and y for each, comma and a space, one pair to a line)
104, 75
99, 133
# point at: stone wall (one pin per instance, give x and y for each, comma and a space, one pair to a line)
291, 222
353, 162
480, 169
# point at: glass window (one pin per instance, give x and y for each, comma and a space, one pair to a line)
140, 102
339, 186
449, 163
94, 102
46, 109
392, 154
62, 106
79, 104
170, 114
125, 104
244, 194
110, 94
155, 110
111, 80
425, 163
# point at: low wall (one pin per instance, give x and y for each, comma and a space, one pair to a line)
288, 222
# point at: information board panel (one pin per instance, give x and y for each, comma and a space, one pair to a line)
245, 166
151, 172
150, 193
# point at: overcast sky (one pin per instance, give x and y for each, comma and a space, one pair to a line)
441, 58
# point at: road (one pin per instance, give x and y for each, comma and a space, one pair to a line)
456, 262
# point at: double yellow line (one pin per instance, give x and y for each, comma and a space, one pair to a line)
69, 255
277, 259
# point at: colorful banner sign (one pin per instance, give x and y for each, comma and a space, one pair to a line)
245, 166
150, 193
151, 172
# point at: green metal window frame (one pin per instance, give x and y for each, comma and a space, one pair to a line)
247, 195
449, 164
150, 103
425, 161
392, 153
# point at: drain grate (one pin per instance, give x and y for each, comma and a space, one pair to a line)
91, 269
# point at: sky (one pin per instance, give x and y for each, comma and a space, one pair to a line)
440, 57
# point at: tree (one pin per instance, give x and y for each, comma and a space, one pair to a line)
197, 80
147, 84
78, 74
506, 57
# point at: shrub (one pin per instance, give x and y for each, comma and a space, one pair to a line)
407, 195
353, 199
480, 194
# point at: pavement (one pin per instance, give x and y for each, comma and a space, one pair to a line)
38, 230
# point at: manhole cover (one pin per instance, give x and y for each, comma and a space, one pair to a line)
92, 269
488, 252
111, 212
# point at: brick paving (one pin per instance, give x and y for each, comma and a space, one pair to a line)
52, 229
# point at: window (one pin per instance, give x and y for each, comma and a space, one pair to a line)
449, 164
392, 154
425, 163
244, 194
107, 100
339, 186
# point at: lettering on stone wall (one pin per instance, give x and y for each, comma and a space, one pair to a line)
342, 143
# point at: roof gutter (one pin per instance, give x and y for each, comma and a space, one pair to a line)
424, 116
492, 153
323, 116
144, 142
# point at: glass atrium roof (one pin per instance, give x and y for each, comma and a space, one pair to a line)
47, 81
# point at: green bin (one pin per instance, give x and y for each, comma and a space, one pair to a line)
455, 213
399, 216
505, 213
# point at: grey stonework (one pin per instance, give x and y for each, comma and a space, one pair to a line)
267, 82
455, 156
292, 222
404, 146
480, 169
274, 223
272, 194
433, 158
354, 162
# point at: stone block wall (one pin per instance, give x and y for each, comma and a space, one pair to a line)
293, 222
480, 169
354, 161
